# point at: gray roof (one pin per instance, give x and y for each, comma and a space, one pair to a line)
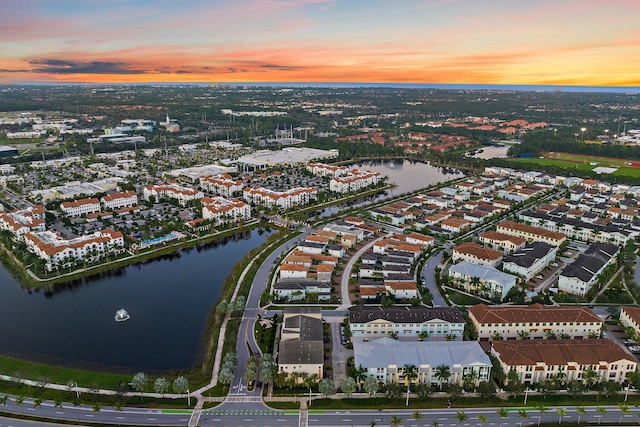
584, 268
529, 254
483, 272
384, 352
399, 314
308, 347
300, 284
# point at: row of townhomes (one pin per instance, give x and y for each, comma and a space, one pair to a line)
536, 342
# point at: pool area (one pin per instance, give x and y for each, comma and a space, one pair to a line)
162, 239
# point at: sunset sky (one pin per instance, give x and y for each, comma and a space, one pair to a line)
545, 42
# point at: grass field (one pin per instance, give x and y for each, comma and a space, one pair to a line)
583, 162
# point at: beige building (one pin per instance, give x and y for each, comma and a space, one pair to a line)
630, 318
531, 233
476, 254
538, 360
534, 321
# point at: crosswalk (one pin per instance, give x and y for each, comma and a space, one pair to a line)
242, 412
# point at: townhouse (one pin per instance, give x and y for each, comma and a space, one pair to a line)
579, 276
630, 318
534, 321
476, 254
484, 279
530, 260
538, 360
80, 207
296, 289
406, 321
531, 234
502, 242
301, 347
386, 359
126, 199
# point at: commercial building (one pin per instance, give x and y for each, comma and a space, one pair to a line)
538, 360
386, 360
534, 321
406, 321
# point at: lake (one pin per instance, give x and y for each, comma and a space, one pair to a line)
168, 298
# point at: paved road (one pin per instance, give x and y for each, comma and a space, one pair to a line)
429, 274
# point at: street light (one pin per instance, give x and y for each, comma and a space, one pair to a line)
583, 129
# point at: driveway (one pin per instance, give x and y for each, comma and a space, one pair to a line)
429, 274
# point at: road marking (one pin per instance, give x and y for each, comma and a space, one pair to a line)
151, 419
120, 418
248, 419
59, 413
88, 415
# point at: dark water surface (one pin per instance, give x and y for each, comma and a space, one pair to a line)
168, 299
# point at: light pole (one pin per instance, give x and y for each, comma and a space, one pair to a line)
526, 394
583, 130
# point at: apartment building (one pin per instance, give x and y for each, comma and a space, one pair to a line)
630, 318
21, 221
502, 242
221, 185
223, 210
284, 199
579, 276
530, 260
534, 321
301, 348
172, 191
59, 252
353, 181
484, 279
322, 169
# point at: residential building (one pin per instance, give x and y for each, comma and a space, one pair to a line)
534, 321
223, 210
58, 252
630, 317
538, 360
530, 260
386, 360
283, 199
298, 288
20, 221
180, 193
407, 321
502, 242
531, 233
80, 207
322, 169
120, 200
301, 348
476, 254
221, 185
579, 276
484, 279
354, 180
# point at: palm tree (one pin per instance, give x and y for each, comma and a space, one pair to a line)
3, 400
96, 408
603, 411
37, 403
624, 409
522, 413
118, 408
523, 335
19, 401
76, 404
461, 417
543, 410
373, 423
581, 411
395, 421
443, 372
417, 415
410, 374
482, 418
561, 413
58, 404
436, 423
504, 413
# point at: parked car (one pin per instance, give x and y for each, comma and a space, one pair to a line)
635, 349
629, 342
